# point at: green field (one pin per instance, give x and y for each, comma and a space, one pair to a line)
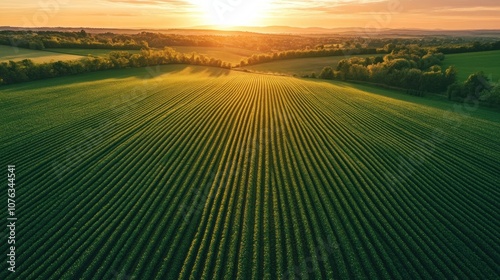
87, 52
466, 63
17, 54
469, 63
232, 55
299, 66
183, 172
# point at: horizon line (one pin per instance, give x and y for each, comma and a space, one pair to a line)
241, 28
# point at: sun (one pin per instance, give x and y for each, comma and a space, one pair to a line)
227, 13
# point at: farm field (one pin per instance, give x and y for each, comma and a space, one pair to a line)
86, 52
232, 55
469, 63
17, 54
299, 66
168, 173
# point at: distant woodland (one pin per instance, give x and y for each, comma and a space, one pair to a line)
251, 41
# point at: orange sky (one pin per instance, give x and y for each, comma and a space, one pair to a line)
425, 14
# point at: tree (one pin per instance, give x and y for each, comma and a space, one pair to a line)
432, 82
378, 59
475, 84
491, 96
428, 60
398, 64
358, 72
36, 45
82, 33
343, 67
451, 74
389, 47
435, 68
378, 73
412, 79
326, 73
455, 90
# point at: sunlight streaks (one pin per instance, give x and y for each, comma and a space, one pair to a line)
426, 14
233, 12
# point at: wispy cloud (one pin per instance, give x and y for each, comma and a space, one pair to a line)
171, 6
153, 2
475, 9
331, 7
367, 6
333, 13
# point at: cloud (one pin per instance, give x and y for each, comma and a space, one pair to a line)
476, 9
378, 6
335, 13
303, 8
447, 14
173, 3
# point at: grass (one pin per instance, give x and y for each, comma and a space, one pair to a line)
232, 55
466, 63
469, 63
87, 52
16, 54
182, 172
299, 66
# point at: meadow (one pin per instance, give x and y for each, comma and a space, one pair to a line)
469, 63
17, 54
87, 52
299, 66
168, 173
232, 55
227, 54
466, 64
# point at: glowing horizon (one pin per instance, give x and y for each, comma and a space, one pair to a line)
160, 14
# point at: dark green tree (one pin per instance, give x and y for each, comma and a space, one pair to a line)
451, 74
326, 73
476, 83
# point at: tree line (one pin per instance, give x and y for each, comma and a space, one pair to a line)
409, 67
470, 47
262, 43
418, 71
55, 39
26, 70
318, 52
352, 47
476, 88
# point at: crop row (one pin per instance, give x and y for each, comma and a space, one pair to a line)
251, 177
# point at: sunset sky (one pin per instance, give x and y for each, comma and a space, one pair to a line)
425, 14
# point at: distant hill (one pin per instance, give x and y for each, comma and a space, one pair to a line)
214, 30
